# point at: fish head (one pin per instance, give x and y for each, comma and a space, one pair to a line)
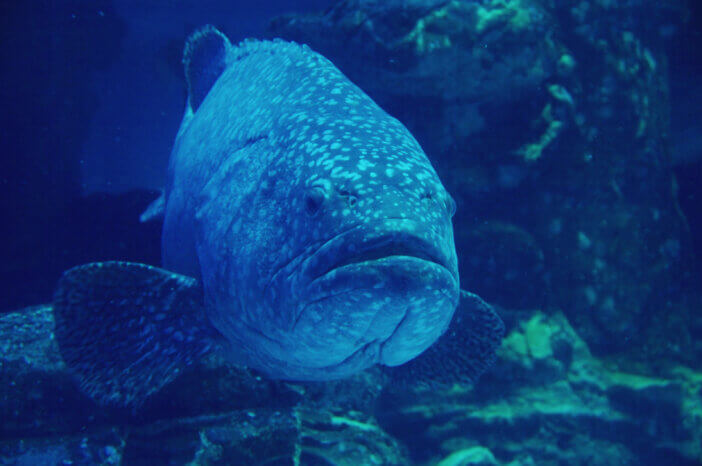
323, 235
365, 268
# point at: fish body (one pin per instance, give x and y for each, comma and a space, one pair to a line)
306, 234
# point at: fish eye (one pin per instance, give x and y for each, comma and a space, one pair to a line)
450, 205
446, 200
314, 198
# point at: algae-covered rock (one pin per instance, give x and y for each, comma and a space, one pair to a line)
548, 400
478, 456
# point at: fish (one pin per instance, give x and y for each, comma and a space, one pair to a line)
306, 236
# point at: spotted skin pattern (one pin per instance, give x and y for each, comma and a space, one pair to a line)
314, 221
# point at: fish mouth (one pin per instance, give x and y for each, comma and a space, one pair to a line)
389, 292
399, 239
389, 247
373, 292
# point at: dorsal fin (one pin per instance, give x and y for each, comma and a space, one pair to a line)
205, 58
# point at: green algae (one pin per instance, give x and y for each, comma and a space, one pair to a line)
467, 456
496, 12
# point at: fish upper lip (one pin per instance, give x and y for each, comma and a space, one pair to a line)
388, 246
392, 242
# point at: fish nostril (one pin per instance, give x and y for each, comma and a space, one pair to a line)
351, 199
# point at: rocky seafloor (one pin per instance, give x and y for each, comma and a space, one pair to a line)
547, 401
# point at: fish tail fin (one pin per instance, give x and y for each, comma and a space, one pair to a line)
126, 329
462, 353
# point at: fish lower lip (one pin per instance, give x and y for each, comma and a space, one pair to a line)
385, 252
360, 260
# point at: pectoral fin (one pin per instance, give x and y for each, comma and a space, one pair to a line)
462, 353
127, 329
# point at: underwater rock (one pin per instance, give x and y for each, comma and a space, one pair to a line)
546, 401
478, 456
548, 117
550, 401
504, 262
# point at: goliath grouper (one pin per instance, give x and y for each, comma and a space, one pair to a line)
306, 235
